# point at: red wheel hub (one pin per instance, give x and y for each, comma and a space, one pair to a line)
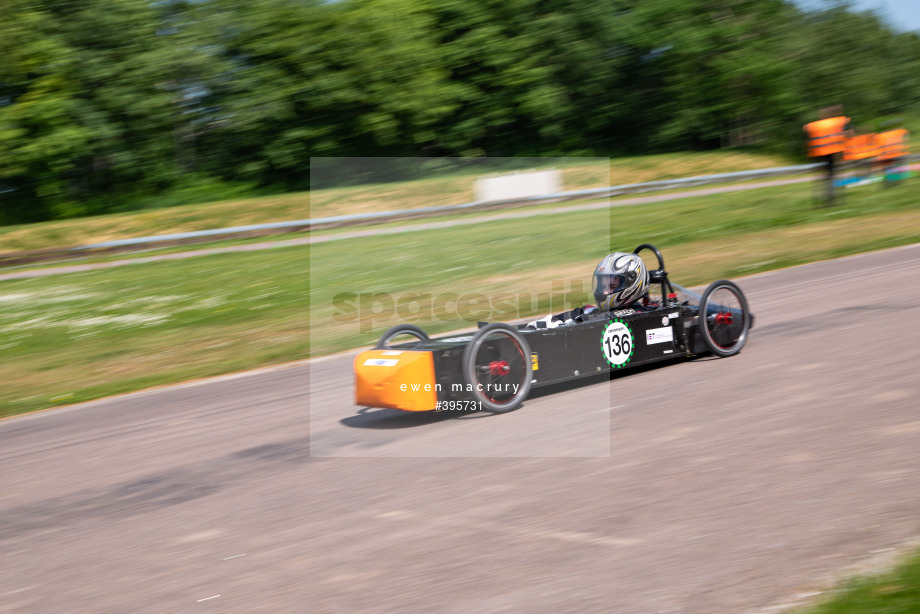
724, 318
499, 367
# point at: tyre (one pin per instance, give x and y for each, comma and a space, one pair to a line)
724, 318
397, 334
496, 367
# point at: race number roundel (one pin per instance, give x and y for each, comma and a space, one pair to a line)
617, 343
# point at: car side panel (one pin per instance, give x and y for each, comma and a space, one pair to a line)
574, 351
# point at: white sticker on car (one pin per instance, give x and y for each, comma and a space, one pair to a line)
392, 353
673, 315
381, 362
617, 343
659, 335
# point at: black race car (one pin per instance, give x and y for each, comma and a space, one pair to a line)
496, 367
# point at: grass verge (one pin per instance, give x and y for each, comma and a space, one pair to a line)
85, 335
448, 190
275, 240
577, 174
404, 223
894, 592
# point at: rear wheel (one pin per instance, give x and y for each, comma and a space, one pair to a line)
402, 334
724, 318
496, 367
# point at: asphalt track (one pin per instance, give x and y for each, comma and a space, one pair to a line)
731, 485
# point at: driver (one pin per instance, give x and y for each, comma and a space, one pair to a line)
619, 281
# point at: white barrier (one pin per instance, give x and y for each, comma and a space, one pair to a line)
526, 184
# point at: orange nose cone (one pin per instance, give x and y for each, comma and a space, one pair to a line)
396, 379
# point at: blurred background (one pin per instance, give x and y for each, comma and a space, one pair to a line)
729, 485
116, 105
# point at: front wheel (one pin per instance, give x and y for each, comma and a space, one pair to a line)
497, 369
398, 336
724, 318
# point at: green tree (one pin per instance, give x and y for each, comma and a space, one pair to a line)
106, 103
314, 79
95, 105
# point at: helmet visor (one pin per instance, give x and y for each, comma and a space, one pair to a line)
606, 284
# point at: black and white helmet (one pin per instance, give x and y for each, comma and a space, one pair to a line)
619, 280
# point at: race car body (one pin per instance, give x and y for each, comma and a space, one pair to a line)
498, 365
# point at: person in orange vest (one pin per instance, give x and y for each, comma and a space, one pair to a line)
861, 151
826, 141
892, 146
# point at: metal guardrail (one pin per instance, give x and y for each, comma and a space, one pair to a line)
382, 216
258, 230
200, 234
616, 190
